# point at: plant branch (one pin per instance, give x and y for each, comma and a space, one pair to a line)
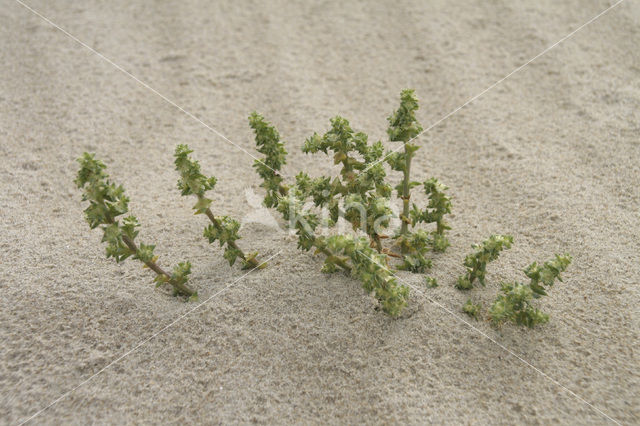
406, 191
107, 201
181, 288
251, 261
223, 229
338, 261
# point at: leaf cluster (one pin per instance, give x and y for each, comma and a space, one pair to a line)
404, 127
225, 231
370, 268
431, 282
106, 199
302, 220
416, 245
403, 124
476, 262
360, 186
514, 304
268, 143
472, 309
222, 228
360, 193
439, 205
192, 181
107, 202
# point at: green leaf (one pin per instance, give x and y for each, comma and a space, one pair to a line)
231, 254
202, 205
403, 125
477, 261
369, 267
471, 309
145, 252
160, 280
464, 283
268, 143
129, 227
181, 273
537, 289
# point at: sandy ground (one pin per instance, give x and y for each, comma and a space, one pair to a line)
550, 155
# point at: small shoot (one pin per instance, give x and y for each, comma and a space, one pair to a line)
107, 202
268, 143
404, 127
472, 309
417, 244
547, 273
514, 304
431, 282
476, 262
223, 228
439, 206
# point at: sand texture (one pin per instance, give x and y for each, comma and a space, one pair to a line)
550, 155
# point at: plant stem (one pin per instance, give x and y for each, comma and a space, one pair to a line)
253, 262
406, 194
341, 263
389, 253
472, 274
180, 287
376, 240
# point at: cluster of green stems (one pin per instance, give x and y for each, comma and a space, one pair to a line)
360, 194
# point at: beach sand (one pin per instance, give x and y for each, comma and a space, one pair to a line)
549, 155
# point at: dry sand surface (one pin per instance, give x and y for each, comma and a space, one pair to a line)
550, 155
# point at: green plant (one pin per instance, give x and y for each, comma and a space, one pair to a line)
439, 206
416, 244
354, 186
359, 193
472, 309
403, 127
289, 201
107, 202
305, 224
268, 143
223, 228
360, 186
370, 267
476, 262
515, 303
431, 282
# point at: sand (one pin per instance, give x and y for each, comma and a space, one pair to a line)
549, 155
